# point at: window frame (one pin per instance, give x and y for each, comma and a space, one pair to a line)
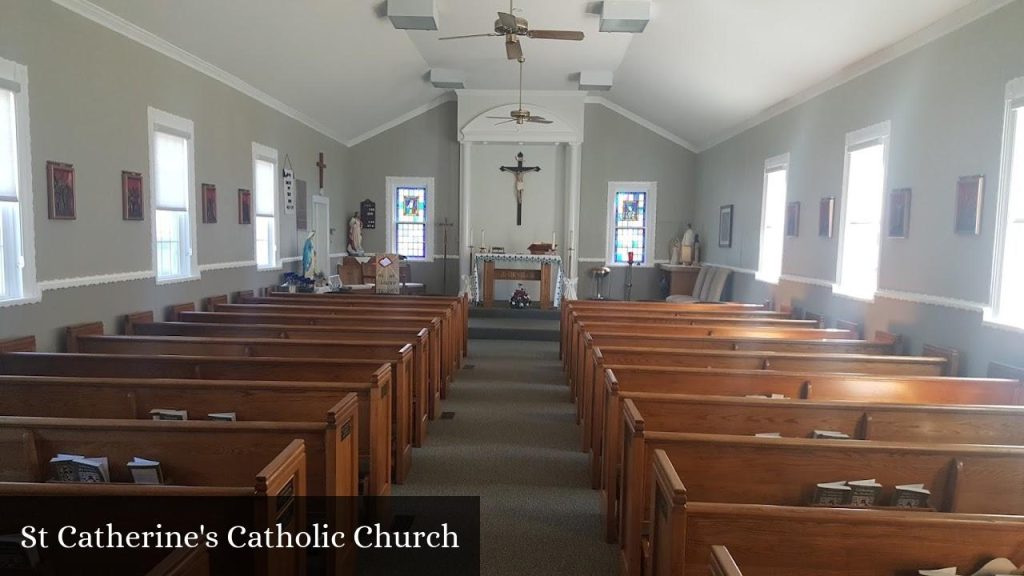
266, 154
1013, 105
160, 121
772, 165
650, 219
880, 133
393, 183
14, 77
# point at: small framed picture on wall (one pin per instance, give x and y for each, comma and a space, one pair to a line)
209, 204
793, 219
899, 213
725, 226
60, 188
826, 217
968, 204
244, 206
131, 196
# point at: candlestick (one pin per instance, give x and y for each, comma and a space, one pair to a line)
483, 238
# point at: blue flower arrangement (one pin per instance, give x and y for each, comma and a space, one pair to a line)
301, 283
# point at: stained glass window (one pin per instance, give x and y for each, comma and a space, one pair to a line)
630, 226
411, 221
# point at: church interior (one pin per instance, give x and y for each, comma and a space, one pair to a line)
625, 287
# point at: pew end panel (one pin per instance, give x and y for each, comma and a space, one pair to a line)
73, 333
722, 563
174, 311
19, 344
667, 520
134, 319
951, 355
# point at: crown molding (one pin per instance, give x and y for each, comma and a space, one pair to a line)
922, 37
443, 98
134, 32
666, 134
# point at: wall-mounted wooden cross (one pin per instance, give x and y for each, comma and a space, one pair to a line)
519, 171
321, 165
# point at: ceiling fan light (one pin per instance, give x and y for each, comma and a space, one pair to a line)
629, 16
413, 14
596, 80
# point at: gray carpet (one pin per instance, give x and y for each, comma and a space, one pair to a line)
514, 442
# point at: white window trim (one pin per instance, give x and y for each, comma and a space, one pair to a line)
780, 162
267, 154
650, 218
185, 128
881, 132
15, 77
393, 183
1014, 98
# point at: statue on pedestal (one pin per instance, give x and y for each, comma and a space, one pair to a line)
309, 256
355, 235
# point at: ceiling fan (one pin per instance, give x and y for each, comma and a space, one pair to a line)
520, 115
512, 27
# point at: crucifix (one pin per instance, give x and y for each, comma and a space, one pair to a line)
519, 171
321, 165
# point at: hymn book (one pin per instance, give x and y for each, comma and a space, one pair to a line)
830, 435
164, 414
768, 435
76, 468
911, 496
146, 471
864, 492
222, 416
847, 493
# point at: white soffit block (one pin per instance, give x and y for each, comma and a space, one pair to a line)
447, 79
413, 14
625, 15
596, 80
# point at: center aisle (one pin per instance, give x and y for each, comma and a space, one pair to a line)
513, 441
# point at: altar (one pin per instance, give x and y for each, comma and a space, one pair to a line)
548, 273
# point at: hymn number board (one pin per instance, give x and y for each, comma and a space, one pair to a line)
368, 213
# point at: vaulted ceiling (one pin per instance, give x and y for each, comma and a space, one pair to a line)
699, 70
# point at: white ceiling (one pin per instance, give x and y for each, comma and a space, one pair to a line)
702, 67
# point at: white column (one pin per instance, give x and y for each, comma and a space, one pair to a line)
464, 224
572, 209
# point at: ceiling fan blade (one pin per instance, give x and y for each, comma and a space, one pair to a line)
555, 34
513, 49
471, 36
499, 117
505, 122
508, 21
539, 120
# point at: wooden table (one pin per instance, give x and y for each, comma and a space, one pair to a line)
681, 278
548, 273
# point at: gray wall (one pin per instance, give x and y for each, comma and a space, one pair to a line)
424, 146
617, 149
945, 102
89, 90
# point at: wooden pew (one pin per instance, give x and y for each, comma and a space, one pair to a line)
426, 362
963, 478
339, 411
590, 334
449, 339
628, 379
191, 461
222, 368
571, 313
410, 393
589, 382
316, 328
809, 541
460, 305
355, 321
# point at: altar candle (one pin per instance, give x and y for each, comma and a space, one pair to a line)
472, 235
552, 239
483, 237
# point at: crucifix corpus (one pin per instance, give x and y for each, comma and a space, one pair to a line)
519, 171
321, 165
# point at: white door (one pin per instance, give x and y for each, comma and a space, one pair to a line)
321, 223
